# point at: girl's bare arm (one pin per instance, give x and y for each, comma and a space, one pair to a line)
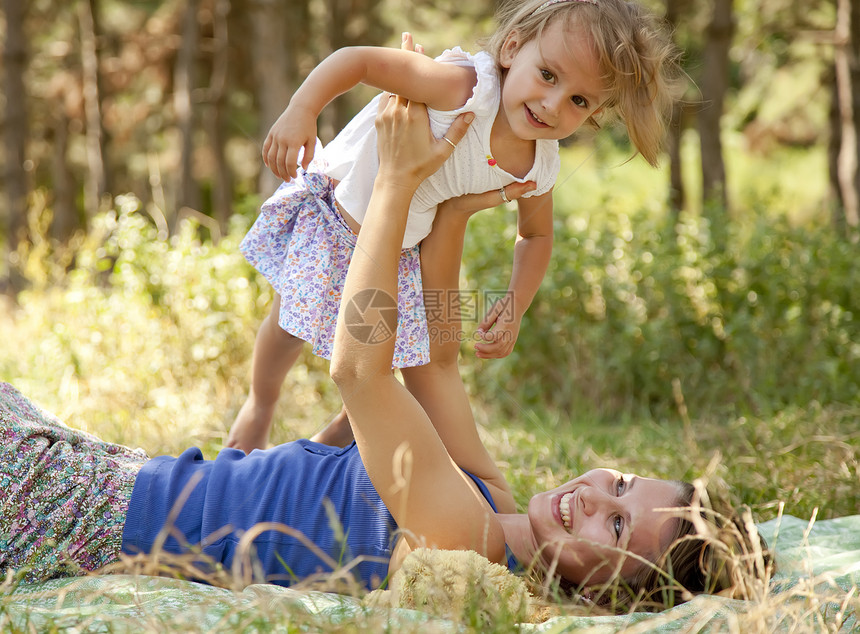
500, 327
406, 73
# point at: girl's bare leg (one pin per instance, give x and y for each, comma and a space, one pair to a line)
275, 352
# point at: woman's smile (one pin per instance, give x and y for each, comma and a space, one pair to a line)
564, 509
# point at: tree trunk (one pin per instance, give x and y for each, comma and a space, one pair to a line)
333, 116
847, 65
834, 142
95, 186
714, 84
677, 197
65, 219
274, 67
184, 82
674, 13
222, 186
15, 130
351, 23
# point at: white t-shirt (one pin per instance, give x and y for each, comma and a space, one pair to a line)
351, 157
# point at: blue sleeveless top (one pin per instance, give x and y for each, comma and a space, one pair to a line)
304, 485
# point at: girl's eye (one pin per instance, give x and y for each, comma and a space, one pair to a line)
579, 101
548, 76
618, 525
619, 485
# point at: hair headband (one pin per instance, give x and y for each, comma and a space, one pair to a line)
549, 3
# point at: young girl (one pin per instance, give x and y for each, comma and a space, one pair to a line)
551, 66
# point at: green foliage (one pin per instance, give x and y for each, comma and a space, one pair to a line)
146, 341
807, 458
750, 315
144, 338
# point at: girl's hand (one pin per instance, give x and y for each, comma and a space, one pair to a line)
295, 129
498, 331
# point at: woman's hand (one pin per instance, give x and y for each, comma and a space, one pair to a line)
392, 115
408, 152
469, 204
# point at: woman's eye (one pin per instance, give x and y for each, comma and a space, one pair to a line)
618, 524
619, 485
548, 76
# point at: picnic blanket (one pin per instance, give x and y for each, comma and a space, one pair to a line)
815, 588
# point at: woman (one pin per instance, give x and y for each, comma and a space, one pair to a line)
71, 503
582, 531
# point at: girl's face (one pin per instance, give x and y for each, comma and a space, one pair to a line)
552, 84
582, 526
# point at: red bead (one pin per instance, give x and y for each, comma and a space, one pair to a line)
491, 161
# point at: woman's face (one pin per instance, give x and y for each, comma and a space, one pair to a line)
582, 526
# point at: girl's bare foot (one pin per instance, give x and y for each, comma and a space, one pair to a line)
337, 433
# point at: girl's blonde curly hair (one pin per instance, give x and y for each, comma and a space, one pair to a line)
638, 62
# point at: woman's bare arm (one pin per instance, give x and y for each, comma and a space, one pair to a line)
428, 495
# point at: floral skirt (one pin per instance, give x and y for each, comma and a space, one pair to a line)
303, 247
63, 493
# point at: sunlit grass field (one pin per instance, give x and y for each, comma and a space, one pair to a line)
147, 341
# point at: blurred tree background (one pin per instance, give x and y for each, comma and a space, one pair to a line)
171, 99
725, 280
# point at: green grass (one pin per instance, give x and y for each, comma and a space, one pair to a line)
661, 364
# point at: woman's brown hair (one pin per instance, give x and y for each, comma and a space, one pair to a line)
712, 551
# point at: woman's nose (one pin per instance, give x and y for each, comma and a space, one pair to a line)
593, 500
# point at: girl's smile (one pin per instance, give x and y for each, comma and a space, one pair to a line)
532, 118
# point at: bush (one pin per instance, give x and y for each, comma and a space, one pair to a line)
145, 338
763, 316
146, 341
